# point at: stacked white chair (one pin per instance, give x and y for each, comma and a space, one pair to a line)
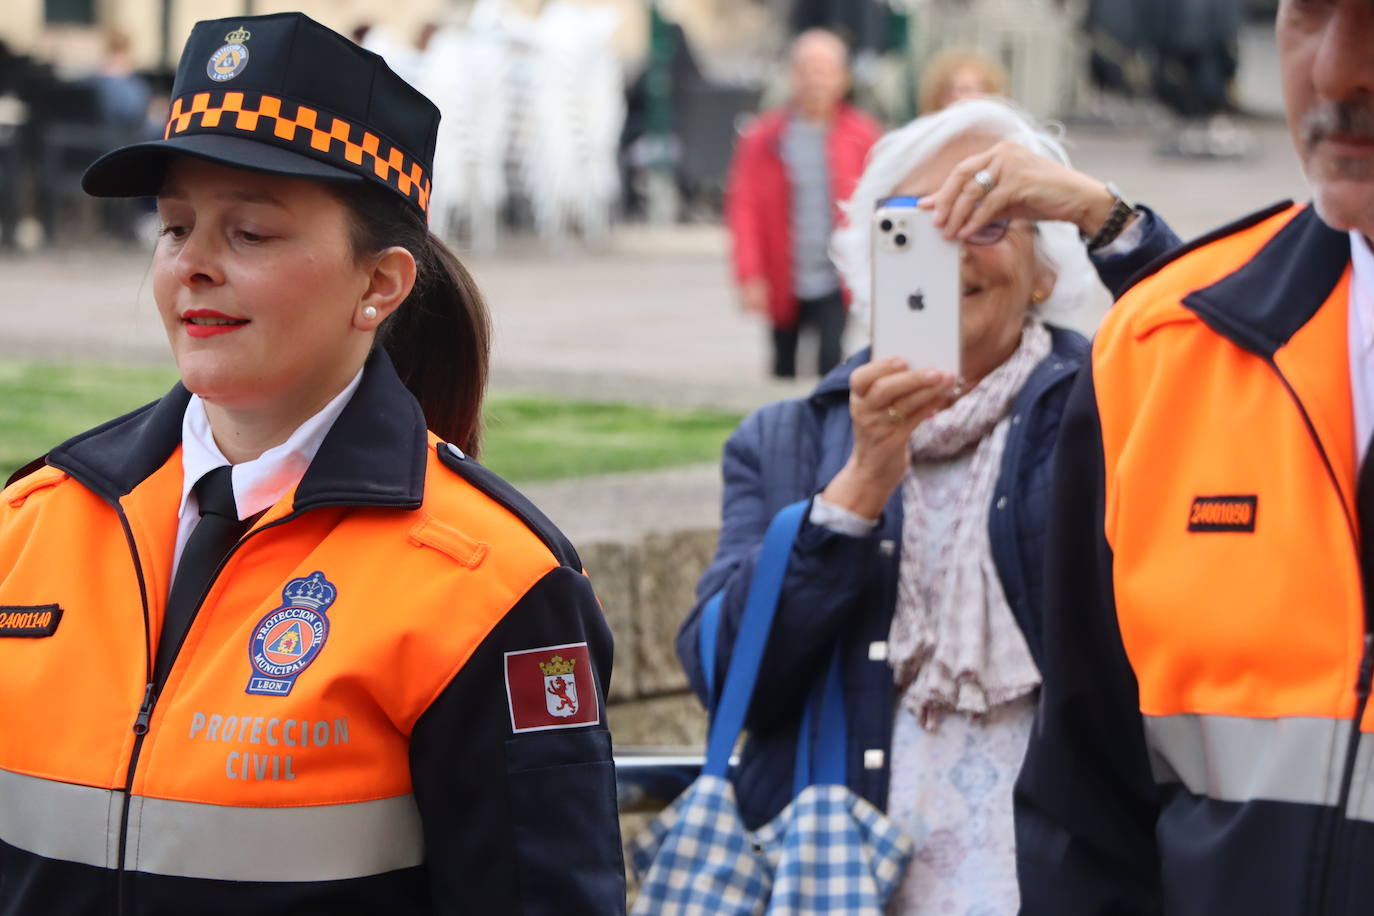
573, 113
532, 109
465, 73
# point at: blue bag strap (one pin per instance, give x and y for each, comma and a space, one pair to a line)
801, 759
757, 620
707, 632
831, 747
821, 750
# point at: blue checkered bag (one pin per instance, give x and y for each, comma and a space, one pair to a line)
829, 851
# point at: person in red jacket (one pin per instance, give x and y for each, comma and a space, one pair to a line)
791, 169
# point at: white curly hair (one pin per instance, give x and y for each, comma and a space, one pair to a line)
1076, 290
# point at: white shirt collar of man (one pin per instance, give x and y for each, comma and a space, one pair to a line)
1360, 328
1362, 284
258, 483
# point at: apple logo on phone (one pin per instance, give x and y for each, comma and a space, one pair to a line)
916, 301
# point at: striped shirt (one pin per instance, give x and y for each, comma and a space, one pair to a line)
808, 177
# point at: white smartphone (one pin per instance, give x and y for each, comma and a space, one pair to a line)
915, 294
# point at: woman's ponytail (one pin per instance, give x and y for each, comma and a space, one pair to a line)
440, 338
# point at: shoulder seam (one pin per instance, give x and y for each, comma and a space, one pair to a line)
495, 488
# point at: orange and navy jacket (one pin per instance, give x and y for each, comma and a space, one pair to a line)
1202, 746
391, 699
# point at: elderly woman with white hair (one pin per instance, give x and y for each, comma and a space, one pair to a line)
920, 554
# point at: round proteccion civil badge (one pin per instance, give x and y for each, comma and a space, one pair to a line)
229, 61
289, 639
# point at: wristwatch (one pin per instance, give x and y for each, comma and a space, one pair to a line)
1122, 211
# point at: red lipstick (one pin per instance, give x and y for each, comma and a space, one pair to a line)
209, 323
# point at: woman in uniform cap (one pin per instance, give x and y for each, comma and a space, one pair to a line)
276, 642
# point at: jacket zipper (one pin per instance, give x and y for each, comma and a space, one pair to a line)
144, 710
1362, 685
152, 689
1327, 862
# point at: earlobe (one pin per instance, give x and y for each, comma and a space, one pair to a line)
1044, 286
389, 283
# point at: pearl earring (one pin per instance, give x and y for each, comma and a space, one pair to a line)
369, 312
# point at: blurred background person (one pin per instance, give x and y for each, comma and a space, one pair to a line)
920, 555
1197, 57
122, 94
126, 110
790, 170
959, 73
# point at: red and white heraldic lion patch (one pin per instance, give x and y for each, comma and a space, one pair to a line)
552, 687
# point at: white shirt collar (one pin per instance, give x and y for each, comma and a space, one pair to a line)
1360, 328
258, 483
1362, 285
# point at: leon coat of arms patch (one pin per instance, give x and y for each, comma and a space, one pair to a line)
551, 687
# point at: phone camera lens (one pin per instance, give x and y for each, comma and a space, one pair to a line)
899, 239
885, 225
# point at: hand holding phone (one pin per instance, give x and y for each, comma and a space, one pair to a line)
915, 300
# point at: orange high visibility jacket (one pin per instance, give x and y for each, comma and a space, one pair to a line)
391, 700
1203, 740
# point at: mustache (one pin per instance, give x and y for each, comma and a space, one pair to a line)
1339, 119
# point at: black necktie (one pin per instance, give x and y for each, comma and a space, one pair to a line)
217, 531
1364, 505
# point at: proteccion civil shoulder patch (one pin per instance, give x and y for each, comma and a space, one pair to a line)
1223, 513
286, 641
552, 687
31, 621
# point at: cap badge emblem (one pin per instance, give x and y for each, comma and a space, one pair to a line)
229, 61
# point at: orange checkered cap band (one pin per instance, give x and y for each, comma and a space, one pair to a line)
306, 130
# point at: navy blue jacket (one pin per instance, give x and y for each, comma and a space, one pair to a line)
844, 588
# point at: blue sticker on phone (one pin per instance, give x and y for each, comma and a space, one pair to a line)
896, 202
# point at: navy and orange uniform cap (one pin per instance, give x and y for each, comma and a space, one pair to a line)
283, 94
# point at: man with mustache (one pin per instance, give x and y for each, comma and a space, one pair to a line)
1202, 744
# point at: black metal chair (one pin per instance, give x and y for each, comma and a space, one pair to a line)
71, 134
708, 120
17, 75
11, 171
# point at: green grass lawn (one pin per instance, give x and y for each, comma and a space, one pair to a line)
527, 438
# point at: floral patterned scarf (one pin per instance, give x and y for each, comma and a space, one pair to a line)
954, 645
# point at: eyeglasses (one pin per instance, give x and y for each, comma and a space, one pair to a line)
990, 233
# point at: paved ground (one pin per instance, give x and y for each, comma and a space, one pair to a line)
651, 317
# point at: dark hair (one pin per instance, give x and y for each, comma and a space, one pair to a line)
440, 337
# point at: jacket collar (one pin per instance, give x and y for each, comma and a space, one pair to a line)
1068, 350
374, 455
1264, 302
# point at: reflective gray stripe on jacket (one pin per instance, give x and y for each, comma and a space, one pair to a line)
81, 824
